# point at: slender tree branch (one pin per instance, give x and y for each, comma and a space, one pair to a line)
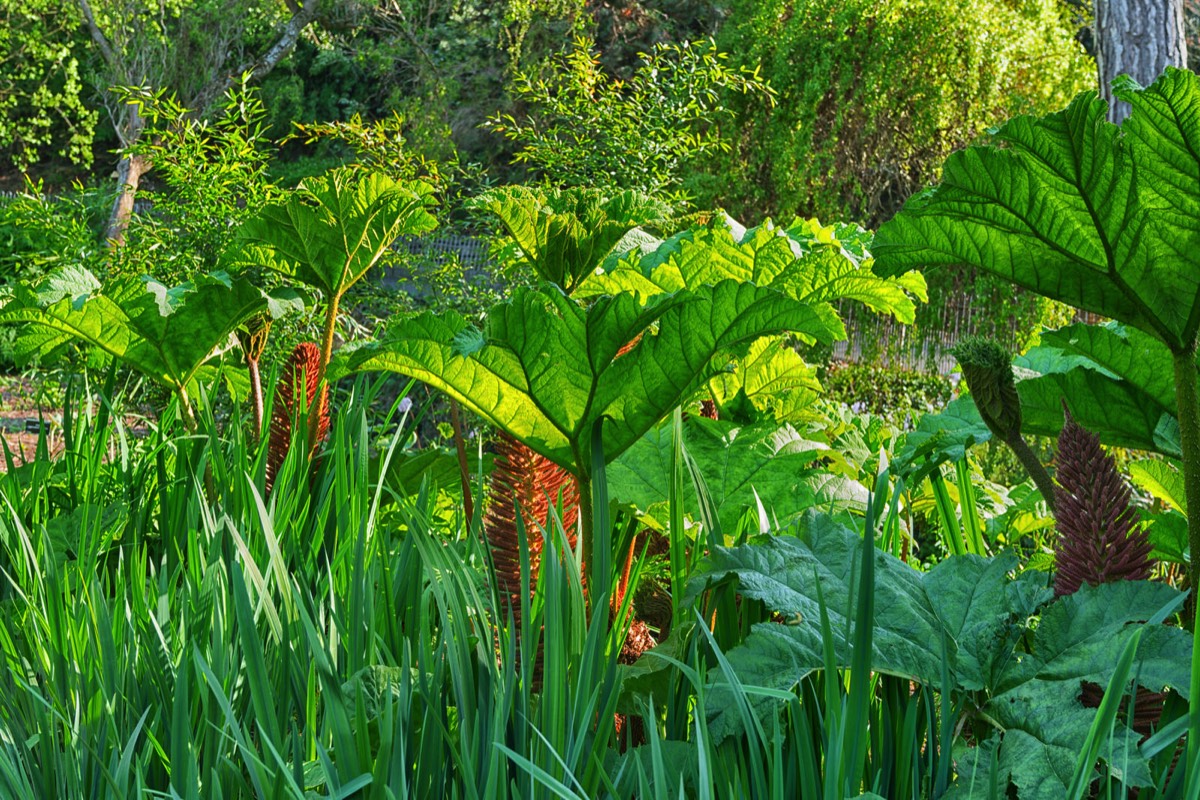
286, 42
98, 35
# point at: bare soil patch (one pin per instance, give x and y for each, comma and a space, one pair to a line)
19, 418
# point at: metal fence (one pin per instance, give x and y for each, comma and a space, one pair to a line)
881, 339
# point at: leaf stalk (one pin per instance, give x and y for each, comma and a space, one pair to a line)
1187, 403
331, 314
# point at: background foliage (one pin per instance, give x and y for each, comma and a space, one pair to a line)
884, 92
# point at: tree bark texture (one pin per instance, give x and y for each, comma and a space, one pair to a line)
128, 68
129, 174
1139, 38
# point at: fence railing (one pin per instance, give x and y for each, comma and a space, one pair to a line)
881, 339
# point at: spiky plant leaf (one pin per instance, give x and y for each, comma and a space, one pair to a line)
546, 369
332, 229
563, 235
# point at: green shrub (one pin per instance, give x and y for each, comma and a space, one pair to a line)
874, 94
889, 392
43, 113
581, 126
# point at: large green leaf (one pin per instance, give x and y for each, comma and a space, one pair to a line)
166, 333
563, 235
546, 369
941, 437
742, 467
1068, 207
981, 613
1117, 382
806, 260
772, 378
331, 230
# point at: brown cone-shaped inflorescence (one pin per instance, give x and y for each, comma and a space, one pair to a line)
533, 483
1099, 542
1098, 536
302, 370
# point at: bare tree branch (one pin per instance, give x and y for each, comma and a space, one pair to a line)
98, 36
284, 45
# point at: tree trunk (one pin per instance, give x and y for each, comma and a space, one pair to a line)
129, 173
129, 129
1139, 38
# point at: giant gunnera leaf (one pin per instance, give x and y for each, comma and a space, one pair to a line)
808, 261
562, 235
331, 230
546, 369
1117, 381
970, 613
1103, 218
166, 333
744, 468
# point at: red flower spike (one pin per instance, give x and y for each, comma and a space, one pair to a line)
527, 480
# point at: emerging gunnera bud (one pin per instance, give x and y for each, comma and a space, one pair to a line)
300, 373
1098, 537
254, 338
987, 369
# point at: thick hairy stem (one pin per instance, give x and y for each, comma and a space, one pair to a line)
1187, 405
464, 471
1034, 466
623, 584
314, 422
185, 411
